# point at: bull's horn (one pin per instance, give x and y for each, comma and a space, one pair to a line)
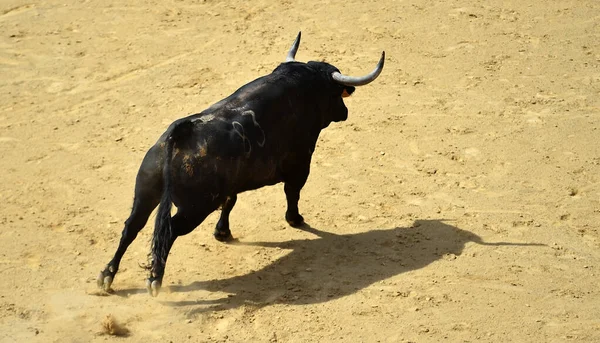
292, 53
361, 80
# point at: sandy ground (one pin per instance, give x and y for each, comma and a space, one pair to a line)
459, 202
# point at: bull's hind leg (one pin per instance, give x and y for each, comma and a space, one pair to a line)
182, 223
148, 189
142, 208
222, 232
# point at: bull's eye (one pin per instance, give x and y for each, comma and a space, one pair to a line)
348, 90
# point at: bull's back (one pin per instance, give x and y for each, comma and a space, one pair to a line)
223, 156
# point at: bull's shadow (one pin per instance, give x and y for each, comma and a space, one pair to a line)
333, 266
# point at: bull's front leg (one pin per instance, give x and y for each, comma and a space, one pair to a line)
292, 215
222, 232
293, 185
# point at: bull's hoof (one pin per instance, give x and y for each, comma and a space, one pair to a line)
295, 220
223, 236
153, 286
105, 279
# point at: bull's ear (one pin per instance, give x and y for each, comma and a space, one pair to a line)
348, 90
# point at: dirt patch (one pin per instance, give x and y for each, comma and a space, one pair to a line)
460, 201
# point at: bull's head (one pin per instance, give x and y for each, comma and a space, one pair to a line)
339, 86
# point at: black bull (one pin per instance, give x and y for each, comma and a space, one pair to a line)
262, 134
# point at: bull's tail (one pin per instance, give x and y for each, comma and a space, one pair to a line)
163, 233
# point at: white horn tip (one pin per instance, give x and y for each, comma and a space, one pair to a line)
292, 53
